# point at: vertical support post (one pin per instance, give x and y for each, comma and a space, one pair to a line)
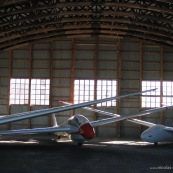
72, 73
140, 78
8, 126
30, 76
119, 63
95, 71
161, 84
141, 69
51, 81
95, 78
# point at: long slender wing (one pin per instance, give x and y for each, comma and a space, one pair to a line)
40, 130
141, 122
114, 119
32, 114
169, 129
137, 121
93, 123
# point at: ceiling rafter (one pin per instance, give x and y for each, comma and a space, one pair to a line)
63, 22
75, 26
24, 21
27, 8
116, 31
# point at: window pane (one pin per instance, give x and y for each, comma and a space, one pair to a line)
151, 99
40, 91
19, 91
105, 89
167, 92
84, 91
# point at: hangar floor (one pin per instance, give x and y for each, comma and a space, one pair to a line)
98, 155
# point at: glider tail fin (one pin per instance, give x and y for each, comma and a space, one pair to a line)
54, 121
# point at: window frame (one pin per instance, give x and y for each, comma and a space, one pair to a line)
40, 92
19, 91
151, 99
80, 90
19, 85
98, 88
167, 92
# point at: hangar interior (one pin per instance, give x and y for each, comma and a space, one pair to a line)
74, 51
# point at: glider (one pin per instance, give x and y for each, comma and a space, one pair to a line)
155, 132
78, 126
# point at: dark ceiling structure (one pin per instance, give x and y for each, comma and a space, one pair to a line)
26, 21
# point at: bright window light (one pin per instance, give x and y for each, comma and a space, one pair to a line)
105, 89
19, 91
168, 92
151, 99
40, 91
84, 91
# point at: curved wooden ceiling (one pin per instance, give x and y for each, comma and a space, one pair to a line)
25, 21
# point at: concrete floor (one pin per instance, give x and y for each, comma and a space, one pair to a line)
96, 156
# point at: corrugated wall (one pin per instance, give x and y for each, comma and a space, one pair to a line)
128, 61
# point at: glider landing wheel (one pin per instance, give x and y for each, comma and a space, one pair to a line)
155, 143
58, 137
80, 144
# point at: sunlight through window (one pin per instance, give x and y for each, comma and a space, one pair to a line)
39, 95
168, 92
19, 91
151, 99
105, 89
84, 91
40, 91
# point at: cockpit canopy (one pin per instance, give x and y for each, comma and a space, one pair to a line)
77, 120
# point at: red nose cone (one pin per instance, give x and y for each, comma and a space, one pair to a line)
87, 131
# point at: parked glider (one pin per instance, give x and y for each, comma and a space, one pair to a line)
155, 132
78, 126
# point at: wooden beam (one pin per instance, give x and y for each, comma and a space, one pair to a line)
119, 78
161, 84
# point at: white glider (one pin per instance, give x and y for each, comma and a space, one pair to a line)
155, 132
78, 126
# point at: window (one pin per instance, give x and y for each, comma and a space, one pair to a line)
105, 89
151, 99
40, 91
84, 91
168, 92
19, 91
39, 95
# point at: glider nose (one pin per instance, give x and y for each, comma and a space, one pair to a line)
87, 131
144, 137
147, 137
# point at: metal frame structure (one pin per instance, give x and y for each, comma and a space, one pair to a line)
23, 21
129, 62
